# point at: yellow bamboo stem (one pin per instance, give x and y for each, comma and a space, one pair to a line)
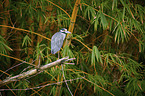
16, 59
26, 31
73, 20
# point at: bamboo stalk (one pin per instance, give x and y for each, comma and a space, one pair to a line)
4, 7
72, 23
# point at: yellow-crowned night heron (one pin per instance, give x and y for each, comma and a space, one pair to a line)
56, 44
57, 40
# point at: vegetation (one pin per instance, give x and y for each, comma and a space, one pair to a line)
107, 40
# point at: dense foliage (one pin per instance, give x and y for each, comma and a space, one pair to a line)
108, 42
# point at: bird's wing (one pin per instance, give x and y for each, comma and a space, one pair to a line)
57, 42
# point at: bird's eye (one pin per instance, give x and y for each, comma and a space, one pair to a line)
62, 30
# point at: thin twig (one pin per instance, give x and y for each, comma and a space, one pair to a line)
13, 67
65, 81
43, 85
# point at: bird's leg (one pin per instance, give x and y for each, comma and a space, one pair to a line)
58, 54
38, 66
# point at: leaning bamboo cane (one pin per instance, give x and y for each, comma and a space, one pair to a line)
72, 23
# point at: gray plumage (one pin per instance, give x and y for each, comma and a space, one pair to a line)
57, 40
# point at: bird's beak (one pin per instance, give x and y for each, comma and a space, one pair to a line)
68, 32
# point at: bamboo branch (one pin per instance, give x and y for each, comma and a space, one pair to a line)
34, 71
25, 31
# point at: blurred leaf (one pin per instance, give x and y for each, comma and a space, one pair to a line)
4, 47
95, 55
103, 20
67, 52
89, 13
26, 41
114, 4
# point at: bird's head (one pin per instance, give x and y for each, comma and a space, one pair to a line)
64, 30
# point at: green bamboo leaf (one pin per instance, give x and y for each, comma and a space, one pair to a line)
121, 34
112, 58
141, 11
93, 57
96, 55
93, 13
137, 25
114, 3
89, 12
106, 58
117, 35
96, 21
131, 24
3, 46
123, 14
103, 20
26, 41
67, 52
111, 25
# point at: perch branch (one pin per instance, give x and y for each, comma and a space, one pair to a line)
34, 71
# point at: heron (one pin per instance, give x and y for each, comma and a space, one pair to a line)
56, 44
57, 40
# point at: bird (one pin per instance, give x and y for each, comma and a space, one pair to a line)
57, 40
